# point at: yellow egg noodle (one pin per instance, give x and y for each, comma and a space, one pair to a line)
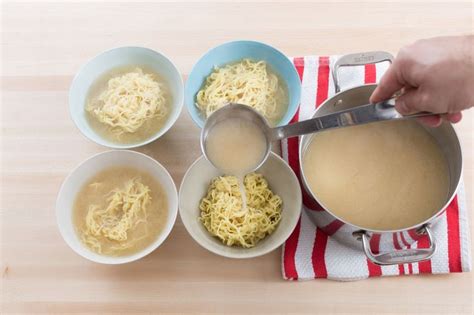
129, 101
223, 214
246, 82
125, 209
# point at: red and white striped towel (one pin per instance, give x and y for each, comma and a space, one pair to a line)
309, 253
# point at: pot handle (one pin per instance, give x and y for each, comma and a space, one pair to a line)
358, 59
403, 256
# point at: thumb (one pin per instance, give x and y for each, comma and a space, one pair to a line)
388, 85
410, 102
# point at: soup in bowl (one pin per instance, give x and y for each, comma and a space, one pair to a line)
245, 72
273, 195
116, 207
126, 97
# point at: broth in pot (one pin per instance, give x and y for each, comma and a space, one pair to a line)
381, 176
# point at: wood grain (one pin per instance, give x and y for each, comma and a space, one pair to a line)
43, 46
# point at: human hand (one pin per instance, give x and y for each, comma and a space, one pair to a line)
434, 75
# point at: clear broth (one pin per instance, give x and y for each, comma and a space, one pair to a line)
110, 179
147, 130
282, 98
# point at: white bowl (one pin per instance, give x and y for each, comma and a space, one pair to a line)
84, 172
282, 181
116, 58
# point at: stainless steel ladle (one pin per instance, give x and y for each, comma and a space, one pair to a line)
364, 114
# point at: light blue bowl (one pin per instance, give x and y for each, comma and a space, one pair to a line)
235, 51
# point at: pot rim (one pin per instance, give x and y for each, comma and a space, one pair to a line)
416, 226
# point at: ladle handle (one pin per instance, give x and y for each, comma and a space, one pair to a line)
355, 116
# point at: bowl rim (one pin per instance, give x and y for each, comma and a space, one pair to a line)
199, 121
99, 139
284, 237
111, 260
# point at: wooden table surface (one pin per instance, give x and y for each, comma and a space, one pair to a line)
44, 44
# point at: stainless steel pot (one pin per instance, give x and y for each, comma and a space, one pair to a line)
373, 241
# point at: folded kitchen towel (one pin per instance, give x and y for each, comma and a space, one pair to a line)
309, 253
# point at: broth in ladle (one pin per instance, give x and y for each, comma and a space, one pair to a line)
236, 146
